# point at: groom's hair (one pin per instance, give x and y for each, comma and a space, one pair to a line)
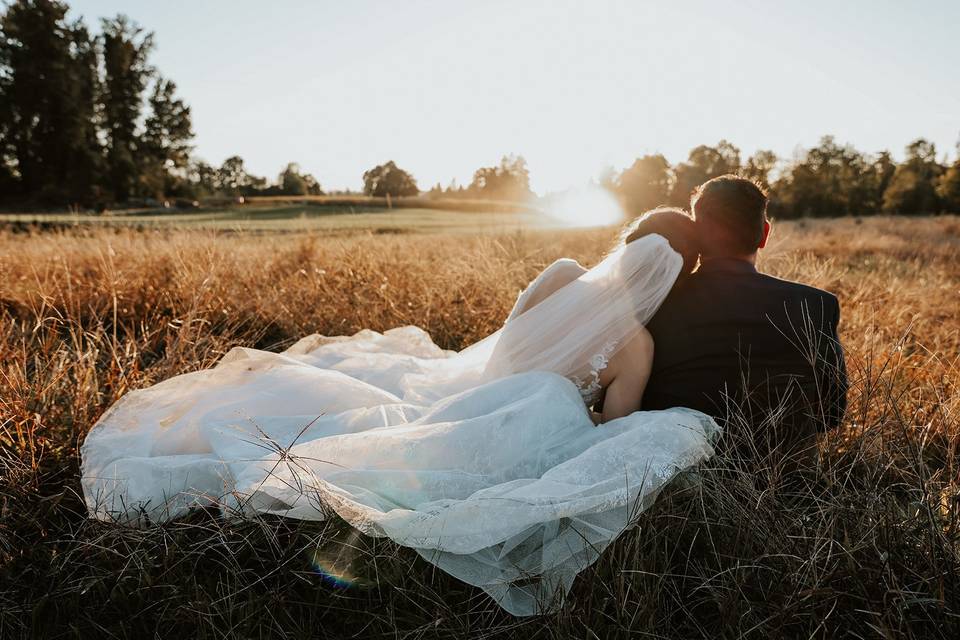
730, 212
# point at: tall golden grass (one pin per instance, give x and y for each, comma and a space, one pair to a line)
864, 544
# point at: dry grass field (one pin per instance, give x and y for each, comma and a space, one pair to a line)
866, 544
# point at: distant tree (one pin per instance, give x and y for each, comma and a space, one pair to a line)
645, 184
827, 180
165, 143
510, 180
202, 179
312, 184
883, 169
294, 183
703, 163
291, 183
866, 184
759, 166
256, 186
607, 179
389, 180
232, 177
948, 187
913, 187
48, 94
126, 48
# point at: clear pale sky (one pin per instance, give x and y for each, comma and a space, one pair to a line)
444, 87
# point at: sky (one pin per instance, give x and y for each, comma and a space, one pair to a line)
445, 87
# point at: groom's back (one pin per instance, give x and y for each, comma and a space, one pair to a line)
730, 340
753, 351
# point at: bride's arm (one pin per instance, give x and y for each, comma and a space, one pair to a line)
625, 377
553, 278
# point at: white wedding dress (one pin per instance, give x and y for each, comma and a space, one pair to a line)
485, 461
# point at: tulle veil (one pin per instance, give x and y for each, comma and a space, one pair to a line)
594, 315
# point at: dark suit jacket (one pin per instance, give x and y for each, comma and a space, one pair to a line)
748, 348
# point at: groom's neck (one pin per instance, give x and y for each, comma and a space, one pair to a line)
749, 258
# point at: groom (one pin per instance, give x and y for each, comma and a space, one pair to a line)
758, 353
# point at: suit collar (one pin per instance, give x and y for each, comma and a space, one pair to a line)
726, 265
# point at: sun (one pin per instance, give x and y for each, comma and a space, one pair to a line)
583, 207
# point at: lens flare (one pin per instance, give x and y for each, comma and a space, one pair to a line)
584, 207
335, 561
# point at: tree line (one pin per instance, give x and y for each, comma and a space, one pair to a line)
830, 179
88, 120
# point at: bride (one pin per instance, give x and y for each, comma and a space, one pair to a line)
487, 462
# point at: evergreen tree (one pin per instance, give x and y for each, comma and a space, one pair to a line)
126, 49
48, 93
165, 143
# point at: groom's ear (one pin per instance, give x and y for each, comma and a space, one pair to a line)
766, 234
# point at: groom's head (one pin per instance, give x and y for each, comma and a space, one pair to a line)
731, 217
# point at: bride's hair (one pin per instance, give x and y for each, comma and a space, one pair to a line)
674, 224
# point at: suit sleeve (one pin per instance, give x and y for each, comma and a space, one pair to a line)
832, 373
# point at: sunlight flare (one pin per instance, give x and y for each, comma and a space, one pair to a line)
583, 207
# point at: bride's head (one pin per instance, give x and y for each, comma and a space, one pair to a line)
672, 223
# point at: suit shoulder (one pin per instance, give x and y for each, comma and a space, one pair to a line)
711, 280
799, 288
804, 293
757, 286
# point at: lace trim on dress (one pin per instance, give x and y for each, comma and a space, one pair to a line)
589, 386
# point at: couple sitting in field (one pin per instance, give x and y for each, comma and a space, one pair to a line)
513, 463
